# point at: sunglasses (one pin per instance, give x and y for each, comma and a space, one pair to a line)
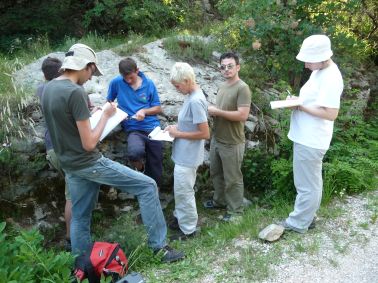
226, 67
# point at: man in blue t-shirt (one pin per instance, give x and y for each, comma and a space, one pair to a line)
137, 95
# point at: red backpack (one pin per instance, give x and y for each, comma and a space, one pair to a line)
101, 259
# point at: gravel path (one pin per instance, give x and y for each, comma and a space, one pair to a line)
347, 247
342, 249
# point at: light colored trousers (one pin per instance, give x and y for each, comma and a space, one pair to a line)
225, 171
307, 169
185, 201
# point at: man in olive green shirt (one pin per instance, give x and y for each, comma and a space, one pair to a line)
228, 141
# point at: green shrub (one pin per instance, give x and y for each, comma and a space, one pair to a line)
120, 17
25, 21
257, 171
268, 34
23, 259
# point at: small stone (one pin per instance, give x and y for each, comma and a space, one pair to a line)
271, 233
125, 196
126, 208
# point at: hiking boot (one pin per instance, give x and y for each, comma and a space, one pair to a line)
173, 224
313, 224
169, 254
181, 236
211, 204
67, 245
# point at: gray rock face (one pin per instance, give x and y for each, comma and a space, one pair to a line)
154, 61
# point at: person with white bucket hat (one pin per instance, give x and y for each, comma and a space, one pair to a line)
67, 116
311, 129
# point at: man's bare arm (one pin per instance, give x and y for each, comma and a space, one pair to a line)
90, 137
239, 115
202, 133
142, 113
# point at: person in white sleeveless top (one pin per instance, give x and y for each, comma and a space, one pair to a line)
311, 129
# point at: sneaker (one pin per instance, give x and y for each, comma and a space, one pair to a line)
181, 236
169, 254
212, 205
173, 224
313, 224
288, 227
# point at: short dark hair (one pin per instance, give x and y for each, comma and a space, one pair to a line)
127, 66
50, 68
229, 55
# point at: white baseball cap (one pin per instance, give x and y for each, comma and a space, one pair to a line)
315, 48
78, 57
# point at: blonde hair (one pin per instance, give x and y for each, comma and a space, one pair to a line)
182, 71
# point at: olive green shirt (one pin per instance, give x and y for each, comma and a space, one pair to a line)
63, 104
229, 98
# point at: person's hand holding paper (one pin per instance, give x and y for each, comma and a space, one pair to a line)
291, 97
109, 109
114, 114
172, 130
291, 102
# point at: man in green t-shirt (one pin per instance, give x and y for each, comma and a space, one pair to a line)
67, 116
228, 140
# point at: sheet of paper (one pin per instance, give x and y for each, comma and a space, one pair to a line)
159, 135
286, 103
113, 121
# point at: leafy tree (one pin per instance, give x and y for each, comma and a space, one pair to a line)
25, 20
119, 17
268, 33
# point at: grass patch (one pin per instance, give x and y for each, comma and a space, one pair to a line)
96, 42
191, 48
133, 44
209, 253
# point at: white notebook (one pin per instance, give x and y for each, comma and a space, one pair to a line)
286, 103
112, 122
159, 135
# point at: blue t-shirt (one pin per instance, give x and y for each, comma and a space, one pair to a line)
131, 101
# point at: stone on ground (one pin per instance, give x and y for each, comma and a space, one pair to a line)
271, 233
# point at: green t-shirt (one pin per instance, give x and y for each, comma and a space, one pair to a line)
229, 98
63, 104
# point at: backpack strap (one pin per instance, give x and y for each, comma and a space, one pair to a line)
83, 262
113, 255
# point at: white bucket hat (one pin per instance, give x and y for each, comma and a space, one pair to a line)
315, 49
78, 57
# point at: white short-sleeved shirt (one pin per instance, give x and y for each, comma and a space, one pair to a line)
185, 152
323, 88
